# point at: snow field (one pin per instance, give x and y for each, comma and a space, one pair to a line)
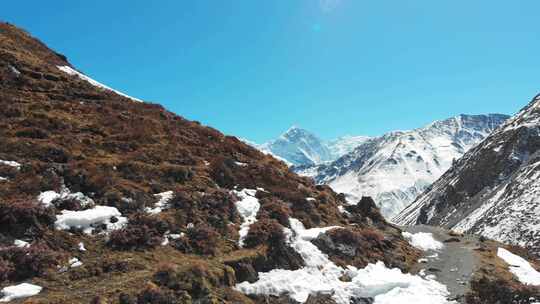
90, 218
423, 241
320, 275
247, 206
23, 290
522, 269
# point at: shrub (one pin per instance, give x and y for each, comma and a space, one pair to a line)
275, 209
196, 279
155, 295
266, 231
24, 218
125, 298
134, 237
486, 291
203, 240
25, 263
5, 270
142, 232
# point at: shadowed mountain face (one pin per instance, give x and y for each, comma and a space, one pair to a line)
151, 204
494, 189
396, 167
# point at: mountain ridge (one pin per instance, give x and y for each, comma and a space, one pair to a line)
491, 190
397, 166
300, 147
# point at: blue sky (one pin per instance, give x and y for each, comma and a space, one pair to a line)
252, 68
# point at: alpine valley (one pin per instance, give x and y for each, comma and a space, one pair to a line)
109, 199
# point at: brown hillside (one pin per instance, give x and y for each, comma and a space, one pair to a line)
119, 152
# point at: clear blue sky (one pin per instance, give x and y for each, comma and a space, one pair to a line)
252, 68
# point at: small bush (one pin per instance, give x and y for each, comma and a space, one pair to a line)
142, 232
265, 231
276, 209
486, 291
197, 280
24, 218
155, 295
134, 237
6, 269
25, 263
199, 240
203, 240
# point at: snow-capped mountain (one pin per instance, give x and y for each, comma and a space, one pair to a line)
494, 190
345, 144
299, 147
396, 167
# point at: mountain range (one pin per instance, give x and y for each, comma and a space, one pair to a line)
393, 168
494, 189
299, 147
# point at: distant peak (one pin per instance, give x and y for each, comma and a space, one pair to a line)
293, 128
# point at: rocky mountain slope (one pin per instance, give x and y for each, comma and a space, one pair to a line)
398, 166
106, 199
494, 189
299, 147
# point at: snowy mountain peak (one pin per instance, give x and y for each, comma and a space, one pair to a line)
492, 190
295, 133
398, 166
300, 147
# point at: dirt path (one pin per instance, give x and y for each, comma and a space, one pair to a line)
454, 264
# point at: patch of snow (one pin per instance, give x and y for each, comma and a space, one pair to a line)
3, 178
90, 218
70, 71
170, 236
320, 275
14, 70
46, 198
240, 164
247, 207
522, 269
20, 291
21, 244
343, 210
162, 204
81, 247
423, 241
10, 163
74, 262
